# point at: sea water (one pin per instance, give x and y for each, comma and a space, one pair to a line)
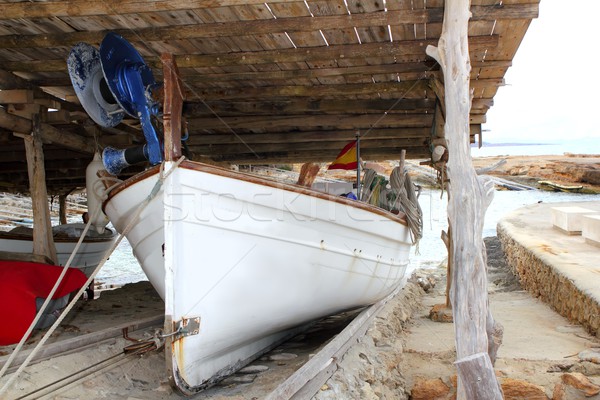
122, 267
431, 250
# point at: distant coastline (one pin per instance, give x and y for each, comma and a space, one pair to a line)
490, 144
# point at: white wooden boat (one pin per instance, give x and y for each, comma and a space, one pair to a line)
240, 260
66, 236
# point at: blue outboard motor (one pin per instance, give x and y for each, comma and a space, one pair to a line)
110, 83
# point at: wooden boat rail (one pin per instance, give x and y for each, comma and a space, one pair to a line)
258, 180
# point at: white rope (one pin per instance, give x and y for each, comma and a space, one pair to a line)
129, 226
408, 203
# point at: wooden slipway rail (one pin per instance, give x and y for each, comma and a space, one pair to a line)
307, 380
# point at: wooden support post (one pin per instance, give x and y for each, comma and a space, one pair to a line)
43, 243
172, 108
308, 174
476, 369
468, 199
62, 209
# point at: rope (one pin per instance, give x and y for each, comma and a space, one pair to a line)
127, 353
141, 207
408, 203
368, 179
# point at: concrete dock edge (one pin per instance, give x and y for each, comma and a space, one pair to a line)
561, 270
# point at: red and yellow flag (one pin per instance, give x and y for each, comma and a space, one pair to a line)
346, 159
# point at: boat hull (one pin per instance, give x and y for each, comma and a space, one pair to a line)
252, 259
86, 259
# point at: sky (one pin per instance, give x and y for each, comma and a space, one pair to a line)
553, 86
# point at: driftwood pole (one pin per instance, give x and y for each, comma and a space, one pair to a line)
469, 198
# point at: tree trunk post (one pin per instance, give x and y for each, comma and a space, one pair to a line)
43, 242
468, 199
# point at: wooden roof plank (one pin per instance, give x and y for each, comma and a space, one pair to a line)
92, 30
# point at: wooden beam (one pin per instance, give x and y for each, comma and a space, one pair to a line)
340, 121
16, 96
231, 28
306, 146
49, 134
407, 89
403, 70
318, 156
304, 105
403, 51
43, 242
310, 136
75, 8
9, 81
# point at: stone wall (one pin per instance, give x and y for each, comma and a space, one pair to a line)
546, 283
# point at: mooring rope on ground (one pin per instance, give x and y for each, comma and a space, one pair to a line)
127, 354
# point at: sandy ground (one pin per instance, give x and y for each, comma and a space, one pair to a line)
538, 344
403, 349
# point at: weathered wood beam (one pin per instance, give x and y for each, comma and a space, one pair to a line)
317, 156
311, 136
403, 51
232, 28
80, 8
306, 146
49, 134
268, 26
341, 121
297, 106
407, 89
404, 70
16, 96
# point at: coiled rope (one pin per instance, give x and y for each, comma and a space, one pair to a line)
132, 221
407, 202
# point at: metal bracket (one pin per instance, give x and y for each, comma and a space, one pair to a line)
186, 327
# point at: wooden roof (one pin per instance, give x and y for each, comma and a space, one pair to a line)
275, 82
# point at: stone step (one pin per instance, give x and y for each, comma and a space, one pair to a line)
569, 219
591, 229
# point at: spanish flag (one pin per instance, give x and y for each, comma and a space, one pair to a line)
346, 159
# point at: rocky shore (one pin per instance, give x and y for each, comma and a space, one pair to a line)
566, 170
